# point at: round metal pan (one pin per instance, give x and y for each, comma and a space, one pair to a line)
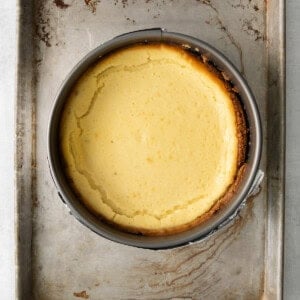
78, 210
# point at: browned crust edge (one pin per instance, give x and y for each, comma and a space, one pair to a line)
243, 138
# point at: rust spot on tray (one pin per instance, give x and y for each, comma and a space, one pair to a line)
240, 5
44, 34
262, 284
92, 5
61, 4
249, 28
130, 20
43, 23
124, 3
82, 294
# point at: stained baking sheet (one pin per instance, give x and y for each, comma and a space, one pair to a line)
57, 257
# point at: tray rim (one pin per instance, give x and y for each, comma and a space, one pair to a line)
276, 170
25, 185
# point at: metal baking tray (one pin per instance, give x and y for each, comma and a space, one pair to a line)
57, 257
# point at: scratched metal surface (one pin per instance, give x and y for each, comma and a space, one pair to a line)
57, 257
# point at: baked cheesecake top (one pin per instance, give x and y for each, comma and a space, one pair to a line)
149, 138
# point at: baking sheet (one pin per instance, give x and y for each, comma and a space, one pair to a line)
57, 257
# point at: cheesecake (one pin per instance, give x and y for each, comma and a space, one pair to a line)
153, 139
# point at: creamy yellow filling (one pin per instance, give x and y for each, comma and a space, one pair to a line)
149, 139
